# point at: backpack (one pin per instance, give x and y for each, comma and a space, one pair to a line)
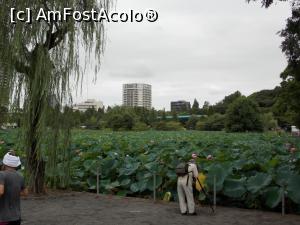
182, 169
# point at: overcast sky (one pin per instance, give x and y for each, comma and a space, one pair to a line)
197, 49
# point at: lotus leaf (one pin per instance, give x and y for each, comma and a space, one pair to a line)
257, 182
235, 188
273, 196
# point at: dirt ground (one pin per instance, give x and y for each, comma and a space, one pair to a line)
86, 209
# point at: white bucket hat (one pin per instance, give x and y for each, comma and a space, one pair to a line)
11, 160
194, 155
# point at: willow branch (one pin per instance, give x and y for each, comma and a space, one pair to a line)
55, 38
21, 67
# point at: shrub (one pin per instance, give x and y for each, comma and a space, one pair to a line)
269, 122
123, 121
140, 126
191, 123
215, 122
169, 126
200, 125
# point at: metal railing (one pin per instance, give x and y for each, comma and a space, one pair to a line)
214, 192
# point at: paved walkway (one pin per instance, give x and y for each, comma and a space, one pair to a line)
86, 209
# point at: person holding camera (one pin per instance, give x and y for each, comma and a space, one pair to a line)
186, 173
187, 176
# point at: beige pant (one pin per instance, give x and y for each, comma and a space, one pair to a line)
185, 195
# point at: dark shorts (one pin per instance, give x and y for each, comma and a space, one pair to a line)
18, 222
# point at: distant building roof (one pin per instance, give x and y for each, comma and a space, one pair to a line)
88, 104
182, 117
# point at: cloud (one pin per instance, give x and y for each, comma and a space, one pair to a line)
135, 71
197, 49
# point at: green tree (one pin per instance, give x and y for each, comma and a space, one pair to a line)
291, 75
91, 123
152, 117
222, 106
100, 113
108, 109
76, 116
195, 107
283, 113
88, 114
128, 121
266, 98
39, 60
206, 108
144, 114
268, 3
243, 115
73, 116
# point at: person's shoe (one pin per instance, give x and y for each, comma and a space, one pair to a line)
193, 214
185, 213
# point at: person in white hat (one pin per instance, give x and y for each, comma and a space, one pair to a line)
11, 188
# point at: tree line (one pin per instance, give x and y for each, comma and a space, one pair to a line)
260, 111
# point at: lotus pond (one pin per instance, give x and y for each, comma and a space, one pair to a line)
252, 170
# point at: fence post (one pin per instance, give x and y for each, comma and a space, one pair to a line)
154, 187
215, 193
283, 202
97, 180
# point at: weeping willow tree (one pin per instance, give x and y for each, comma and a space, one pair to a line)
3, 98
41, 62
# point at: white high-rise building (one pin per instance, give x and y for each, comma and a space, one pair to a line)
137, 95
